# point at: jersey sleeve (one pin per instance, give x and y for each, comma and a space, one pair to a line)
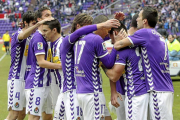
121, 57
139, 37
82, 31
38, 45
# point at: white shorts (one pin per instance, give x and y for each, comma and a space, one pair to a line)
72, 108
59, 113
93, 106
16, 95
137, 107
39, 100
54, 89
160, 105
120, 111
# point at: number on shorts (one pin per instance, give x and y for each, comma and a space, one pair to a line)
17, 95
38, 100
79, 109
102, 108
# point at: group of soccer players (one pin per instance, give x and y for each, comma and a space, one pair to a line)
49, 72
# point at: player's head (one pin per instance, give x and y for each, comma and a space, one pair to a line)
170, 38
51, 29
116, 30
28, 19
133, 21
7, 32
147, 18
99, 19
81, 20
43, 13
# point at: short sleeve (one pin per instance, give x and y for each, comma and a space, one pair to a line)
100, 47
121, 57
139, 37
38, 45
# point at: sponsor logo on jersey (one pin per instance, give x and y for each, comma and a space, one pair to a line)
16, 105
117, 57
104, 46
40, 45
36, 110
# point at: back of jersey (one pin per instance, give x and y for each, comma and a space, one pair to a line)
87, 52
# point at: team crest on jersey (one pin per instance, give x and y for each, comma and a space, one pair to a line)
117, 57
40, 45
16, 105
36, 110
104, 46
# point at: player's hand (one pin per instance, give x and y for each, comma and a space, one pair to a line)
114, 100
121, 35
119, 16
111, 23
47, 19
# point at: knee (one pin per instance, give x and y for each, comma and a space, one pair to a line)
48, 117
13, 115
21, 115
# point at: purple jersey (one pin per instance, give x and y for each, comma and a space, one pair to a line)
56, 58
35, 75
120, 86
134, 77
87, 53
19, 50
155, 59
67, 56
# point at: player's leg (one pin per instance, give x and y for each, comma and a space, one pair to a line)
59, 113
120, 111
72, 108
13, 115
8, 47
161, 104
47, 116
5, 45
22, 114
33, 117
16, 98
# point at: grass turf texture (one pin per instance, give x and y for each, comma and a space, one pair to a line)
4, 70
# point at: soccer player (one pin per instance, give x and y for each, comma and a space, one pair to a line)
52, 33
19, 50
6, 38
67, 58
136, 97
87, 53
155, 63
38, 94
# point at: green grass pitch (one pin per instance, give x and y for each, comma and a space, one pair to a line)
4, 70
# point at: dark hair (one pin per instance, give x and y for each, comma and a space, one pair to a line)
81, 19
133, 21
38, 13
100, 19
28, 17
151, 15
54, 24
122, 26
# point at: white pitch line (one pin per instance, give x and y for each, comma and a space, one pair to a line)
2, 57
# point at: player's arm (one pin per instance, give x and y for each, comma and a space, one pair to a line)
139, 38
46, 64
109, 59
26, 33
90, 28
115, 73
